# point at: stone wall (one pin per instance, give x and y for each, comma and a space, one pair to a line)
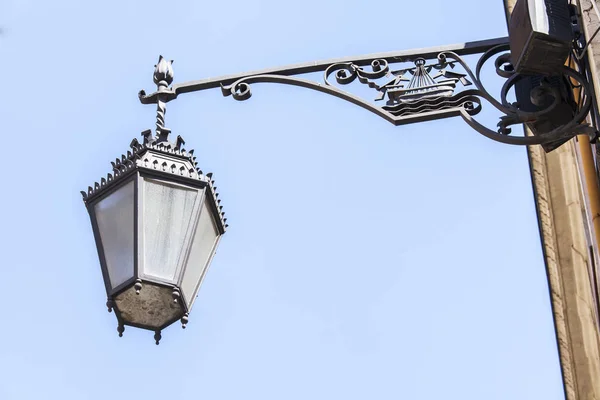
563, 218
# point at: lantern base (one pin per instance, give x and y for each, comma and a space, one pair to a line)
153, 308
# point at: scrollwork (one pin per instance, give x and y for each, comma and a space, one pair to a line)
433, 85
423, 97
240, 90
346, 73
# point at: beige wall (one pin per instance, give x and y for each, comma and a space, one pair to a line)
564, 221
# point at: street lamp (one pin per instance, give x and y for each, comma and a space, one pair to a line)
157, 223
157, 219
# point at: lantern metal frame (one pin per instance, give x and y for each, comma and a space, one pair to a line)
178, 167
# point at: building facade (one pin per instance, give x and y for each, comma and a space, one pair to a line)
565, 184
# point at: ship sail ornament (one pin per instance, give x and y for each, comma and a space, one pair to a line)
422, 92
422, 85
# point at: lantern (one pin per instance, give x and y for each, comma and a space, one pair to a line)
157, 223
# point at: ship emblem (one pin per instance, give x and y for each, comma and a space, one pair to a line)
421, 85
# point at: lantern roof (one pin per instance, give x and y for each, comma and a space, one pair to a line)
157, 153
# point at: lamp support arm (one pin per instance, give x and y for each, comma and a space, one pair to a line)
428, 84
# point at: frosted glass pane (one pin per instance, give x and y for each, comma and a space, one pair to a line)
167, 214
203, 247
114, 215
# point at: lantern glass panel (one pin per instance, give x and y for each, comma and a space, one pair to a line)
168, 210
203, 246
114, 216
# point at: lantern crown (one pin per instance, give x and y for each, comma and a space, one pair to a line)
184, 165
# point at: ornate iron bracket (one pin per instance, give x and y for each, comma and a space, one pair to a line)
428, 84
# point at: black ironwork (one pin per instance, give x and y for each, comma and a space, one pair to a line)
408, 87
428, 84
138, 300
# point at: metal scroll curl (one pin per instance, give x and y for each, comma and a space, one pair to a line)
346, 73
513, 114
240, 90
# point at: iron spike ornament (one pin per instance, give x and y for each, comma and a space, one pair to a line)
157, 223
431, 84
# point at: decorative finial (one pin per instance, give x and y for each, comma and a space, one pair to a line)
121, 329
147, 134
180, 142
176, 295
109, 305
163, 72
157, 337
184, 320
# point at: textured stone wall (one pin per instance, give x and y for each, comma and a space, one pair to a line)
562, 214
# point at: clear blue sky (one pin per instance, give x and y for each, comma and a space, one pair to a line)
363, 260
